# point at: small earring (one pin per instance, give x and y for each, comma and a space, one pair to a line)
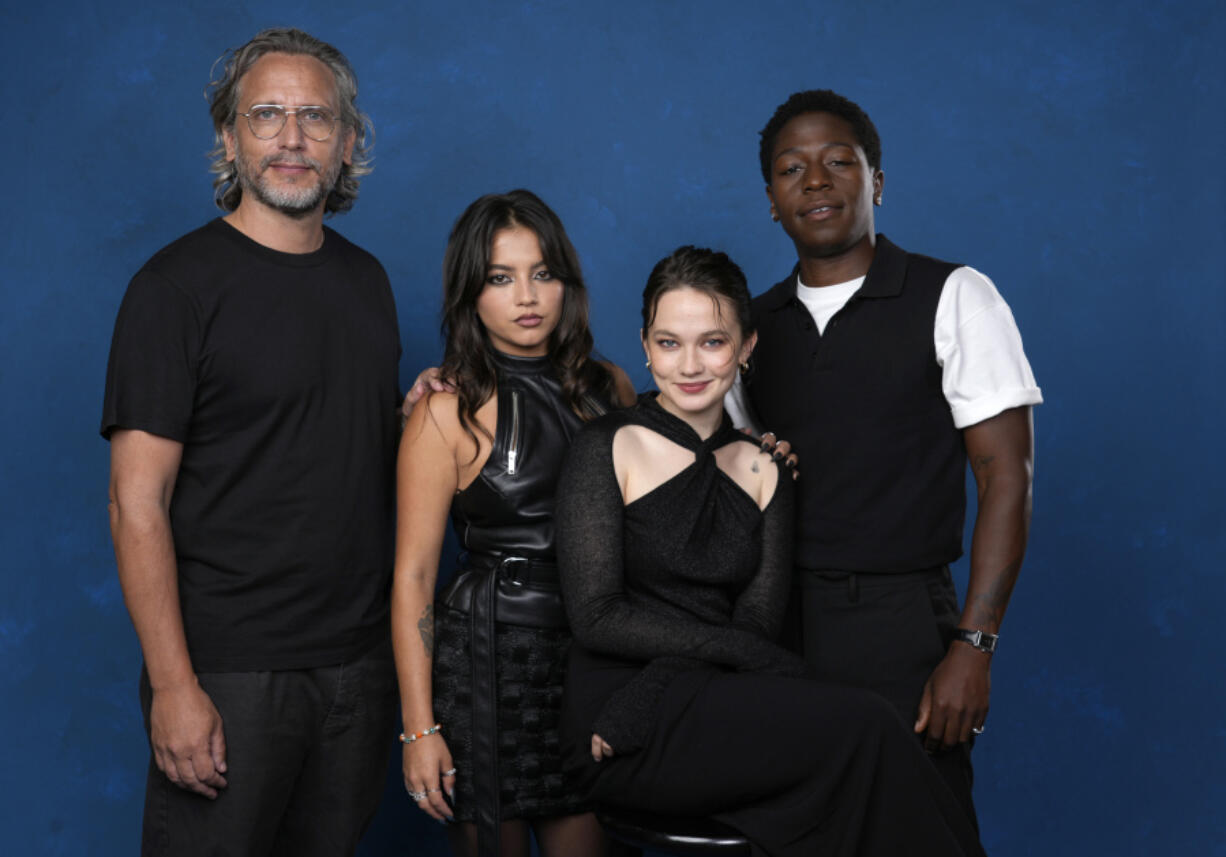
877, 200
774, 217
745, 367
648, 363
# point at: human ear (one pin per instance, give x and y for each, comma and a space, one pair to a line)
747, 347
351, 139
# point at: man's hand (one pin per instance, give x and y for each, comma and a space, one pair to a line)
185, 729
779, 449
1001, 453
189, 744
955, 698
428, 380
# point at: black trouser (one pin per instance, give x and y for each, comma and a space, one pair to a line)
306, 756
886, 633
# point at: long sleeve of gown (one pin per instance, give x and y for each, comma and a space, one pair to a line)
761, 605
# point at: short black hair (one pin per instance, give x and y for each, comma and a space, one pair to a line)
820, 101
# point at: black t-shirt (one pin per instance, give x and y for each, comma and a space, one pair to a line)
278, 373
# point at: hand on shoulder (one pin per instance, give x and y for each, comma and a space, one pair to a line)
428, 380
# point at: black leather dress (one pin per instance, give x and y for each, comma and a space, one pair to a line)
501, 639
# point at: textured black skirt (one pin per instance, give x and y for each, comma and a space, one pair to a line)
531, 668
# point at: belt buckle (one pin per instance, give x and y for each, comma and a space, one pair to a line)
513, 576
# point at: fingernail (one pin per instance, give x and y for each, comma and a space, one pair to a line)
775, 456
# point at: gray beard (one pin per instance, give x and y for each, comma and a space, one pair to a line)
292, 202
296, 205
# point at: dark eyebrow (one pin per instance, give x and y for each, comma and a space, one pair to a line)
535, 265
663, 332
822, 147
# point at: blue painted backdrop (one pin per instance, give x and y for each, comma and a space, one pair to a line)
1071, 150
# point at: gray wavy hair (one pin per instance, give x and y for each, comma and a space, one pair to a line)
222, 95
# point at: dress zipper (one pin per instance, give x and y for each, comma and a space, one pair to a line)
513, 452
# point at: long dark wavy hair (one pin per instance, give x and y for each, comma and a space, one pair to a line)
467, 359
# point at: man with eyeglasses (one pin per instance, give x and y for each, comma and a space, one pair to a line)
251, 405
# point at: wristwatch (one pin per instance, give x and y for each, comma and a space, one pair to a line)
981, 640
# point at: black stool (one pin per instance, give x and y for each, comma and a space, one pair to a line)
683, 836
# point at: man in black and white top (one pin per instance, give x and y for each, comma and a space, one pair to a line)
251, 406
886, 370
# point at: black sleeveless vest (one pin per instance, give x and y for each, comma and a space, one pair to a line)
883, 469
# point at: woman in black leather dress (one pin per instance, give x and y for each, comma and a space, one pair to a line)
674, 541
486, 663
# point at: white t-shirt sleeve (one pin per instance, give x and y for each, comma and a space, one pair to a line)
984, 370
740, 411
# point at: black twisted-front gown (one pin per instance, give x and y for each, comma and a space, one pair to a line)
674, 601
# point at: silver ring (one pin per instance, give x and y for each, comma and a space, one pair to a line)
432, 791
977, 730
449, 773
417, 796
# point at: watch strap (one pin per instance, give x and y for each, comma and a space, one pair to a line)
981, 640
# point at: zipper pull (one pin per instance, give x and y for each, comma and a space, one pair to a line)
513, 450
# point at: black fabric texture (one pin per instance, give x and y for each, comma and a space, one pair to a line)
692, 573
863, 406
307, 754
278, 373
801, 768
531, 669
508, 509
886, 633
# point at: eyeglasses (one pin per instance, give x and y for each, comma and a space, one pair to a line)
267, 120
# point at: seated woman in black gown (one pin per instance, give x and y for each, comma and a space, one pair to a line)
674, 544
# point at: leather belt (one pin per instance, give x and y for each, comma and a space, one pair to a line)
519, 570
482, 640
523, 591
